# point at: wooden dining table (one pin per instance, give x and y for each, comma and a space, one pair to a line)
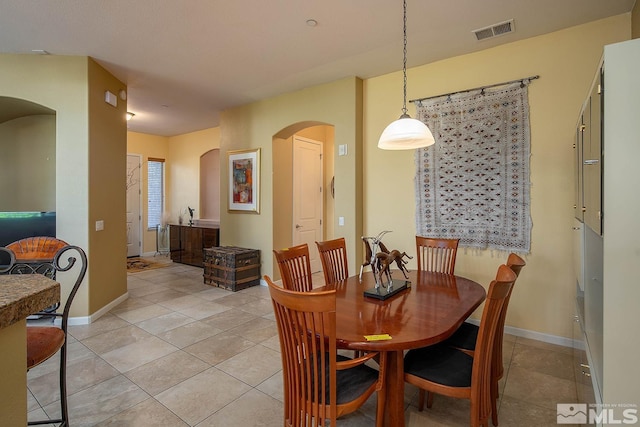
425, 313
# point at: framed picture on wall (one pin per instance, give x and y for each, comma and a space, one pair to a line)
244, 180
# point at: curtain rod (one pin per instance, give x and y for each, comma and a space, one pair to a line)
476, 88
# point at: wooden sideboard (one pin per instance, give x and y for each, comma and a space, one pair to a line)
187, 243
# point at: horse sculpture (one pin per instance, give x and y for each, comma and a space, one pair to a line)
384, 261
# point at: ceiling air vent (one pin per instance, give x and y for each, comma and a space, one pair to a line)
495, 30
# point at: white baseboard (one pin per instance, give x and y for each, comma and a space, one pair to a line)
85, 320
538, 336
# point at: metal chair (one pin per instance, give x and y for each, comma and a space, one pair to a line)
45, 341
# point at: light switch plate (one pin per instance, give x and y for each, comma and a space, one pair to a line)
342, 150
99, 225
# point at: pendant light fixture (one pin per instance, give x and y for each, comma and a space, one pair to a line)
405, 133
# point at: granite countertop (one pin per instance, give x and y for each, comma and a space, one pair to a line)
25, 294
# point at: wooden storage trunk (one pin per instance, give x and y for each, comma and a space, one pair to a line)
231, 267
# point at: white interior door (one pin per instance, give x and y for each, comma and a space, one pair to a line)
134, 241
307, 196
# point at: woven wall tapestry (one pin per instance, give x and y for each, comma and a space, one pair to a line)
473, 184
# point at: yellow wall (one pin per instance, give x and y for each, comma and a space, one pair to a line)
148, 146
566, 62
183, 170
256, 125
28, 147
73, 87
107, 181
635, 20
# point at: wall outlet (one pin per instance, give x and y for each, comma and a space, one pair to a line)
99, 225
340, 220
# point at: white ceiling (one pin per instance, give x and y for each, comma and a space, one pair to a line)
185, 61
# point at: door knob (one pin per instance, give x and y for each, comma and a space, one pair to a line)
298, 226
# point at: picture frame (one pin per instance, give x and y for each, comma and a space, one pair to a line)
244, 180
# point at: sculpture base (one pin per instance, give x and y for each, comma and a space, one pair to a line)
382, 293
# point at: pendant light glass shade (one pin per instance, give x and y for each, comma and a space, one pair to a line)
405, 134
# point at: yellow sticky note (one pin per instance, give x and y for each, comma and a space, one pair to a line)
380, 337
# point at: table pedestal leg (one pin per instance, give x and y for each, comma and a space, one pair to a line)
394, 401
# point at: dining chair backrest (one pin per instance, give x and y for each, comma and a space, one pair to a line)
436, 255
333, 255
499, 291
295, 267
515, 263
306, 324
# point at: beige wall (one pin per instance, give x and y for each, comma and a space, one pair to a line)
635, 20
566, 62
28, 159
183, 170
107, 194
147, 146
256, 125
74, 88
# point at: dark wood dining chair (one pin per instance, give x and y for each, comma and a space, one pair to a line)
466, 336
45, 341
319, 385
445, 370
436, 255
295, 267
333, 255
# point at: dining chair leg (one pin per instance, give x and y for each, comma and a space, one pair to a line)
421, 400
494, 402
430, 399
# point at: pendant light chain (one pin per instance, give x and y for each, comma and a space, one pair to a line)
404, 60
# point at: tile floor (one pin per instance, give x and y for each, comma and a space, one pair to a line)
181, 353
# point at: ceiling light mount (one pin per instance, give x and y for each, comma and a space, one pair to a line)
405, 133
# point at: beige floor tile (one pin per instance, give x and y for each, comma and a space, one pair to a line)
257, 330
139, 314
265, 412
138, 353
236, 299
200, 396
165, 295
253, 365
219, 348
543, 360
259, 307
204, 309
229, 319
115, 339
165, 372
213, 293
184, 301
539, 389
149, 413
257, 291
164, 323
106, 323
273, 386
100, 402
81, 374
189, 334
517, 413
